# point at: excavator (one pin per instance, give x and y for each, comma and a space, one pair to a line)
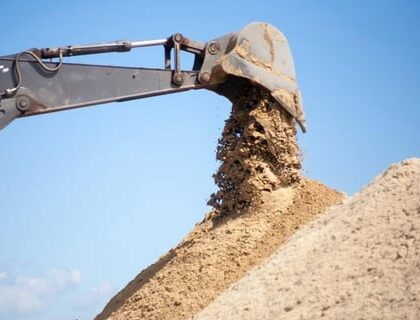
37, 81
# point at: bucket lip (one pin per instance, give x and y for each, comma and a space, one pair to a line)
261, 54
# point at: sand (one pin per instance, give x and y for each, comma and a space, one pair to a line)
262, 200
360, 260
217, 253
258, 151
257, 255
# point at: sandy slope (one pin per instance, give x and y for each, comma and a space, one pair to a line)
218, 252
359, 261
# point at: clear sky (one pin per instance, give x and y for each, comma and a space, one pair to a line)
90, 197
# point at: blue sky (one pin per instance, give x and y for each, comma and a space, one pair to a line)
90, 197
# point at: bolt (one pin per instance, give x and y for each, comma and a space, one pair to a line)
23, 104
213, 47
177, 37
178, 79
204, 77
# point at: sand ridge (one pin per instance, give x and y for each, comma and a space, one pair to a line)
360, 260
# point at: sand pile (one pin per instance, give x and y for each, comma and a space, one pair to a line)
361, 260
261, 202
217, 253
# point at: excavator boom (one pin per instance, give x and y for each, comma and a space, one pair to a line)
29, 85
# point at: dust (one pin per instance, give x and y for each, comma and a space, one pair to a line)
258, 152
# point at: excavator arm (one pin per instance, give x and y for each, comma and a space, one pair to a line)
29, 85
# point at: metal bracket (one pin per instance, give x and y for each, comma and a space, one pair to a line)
8, 112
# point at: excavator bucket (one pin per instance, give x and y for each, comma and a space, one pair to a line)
261, 54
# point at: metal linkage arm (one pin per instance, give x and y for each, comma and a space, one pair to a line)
30, 86
76, 50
